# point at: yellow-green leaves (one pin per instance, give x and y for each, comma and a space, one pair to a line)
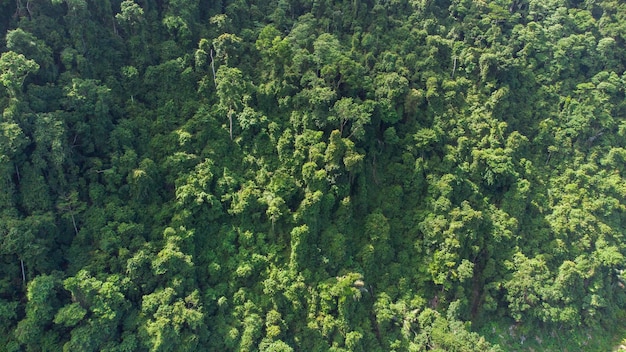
14, 68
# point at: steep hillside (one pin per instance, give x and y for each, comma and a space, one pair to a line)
401, 175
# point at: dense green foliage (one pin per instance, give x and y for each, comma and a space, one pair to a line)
183, 175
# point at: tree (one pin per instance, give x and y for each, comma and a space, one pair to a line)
42, 303
348, 111
97, 309
172, 322
88, 109
31, 47
70, 206
14, 68
230, 91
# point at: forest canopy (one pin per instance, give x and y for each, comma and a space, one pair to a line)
401, 175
